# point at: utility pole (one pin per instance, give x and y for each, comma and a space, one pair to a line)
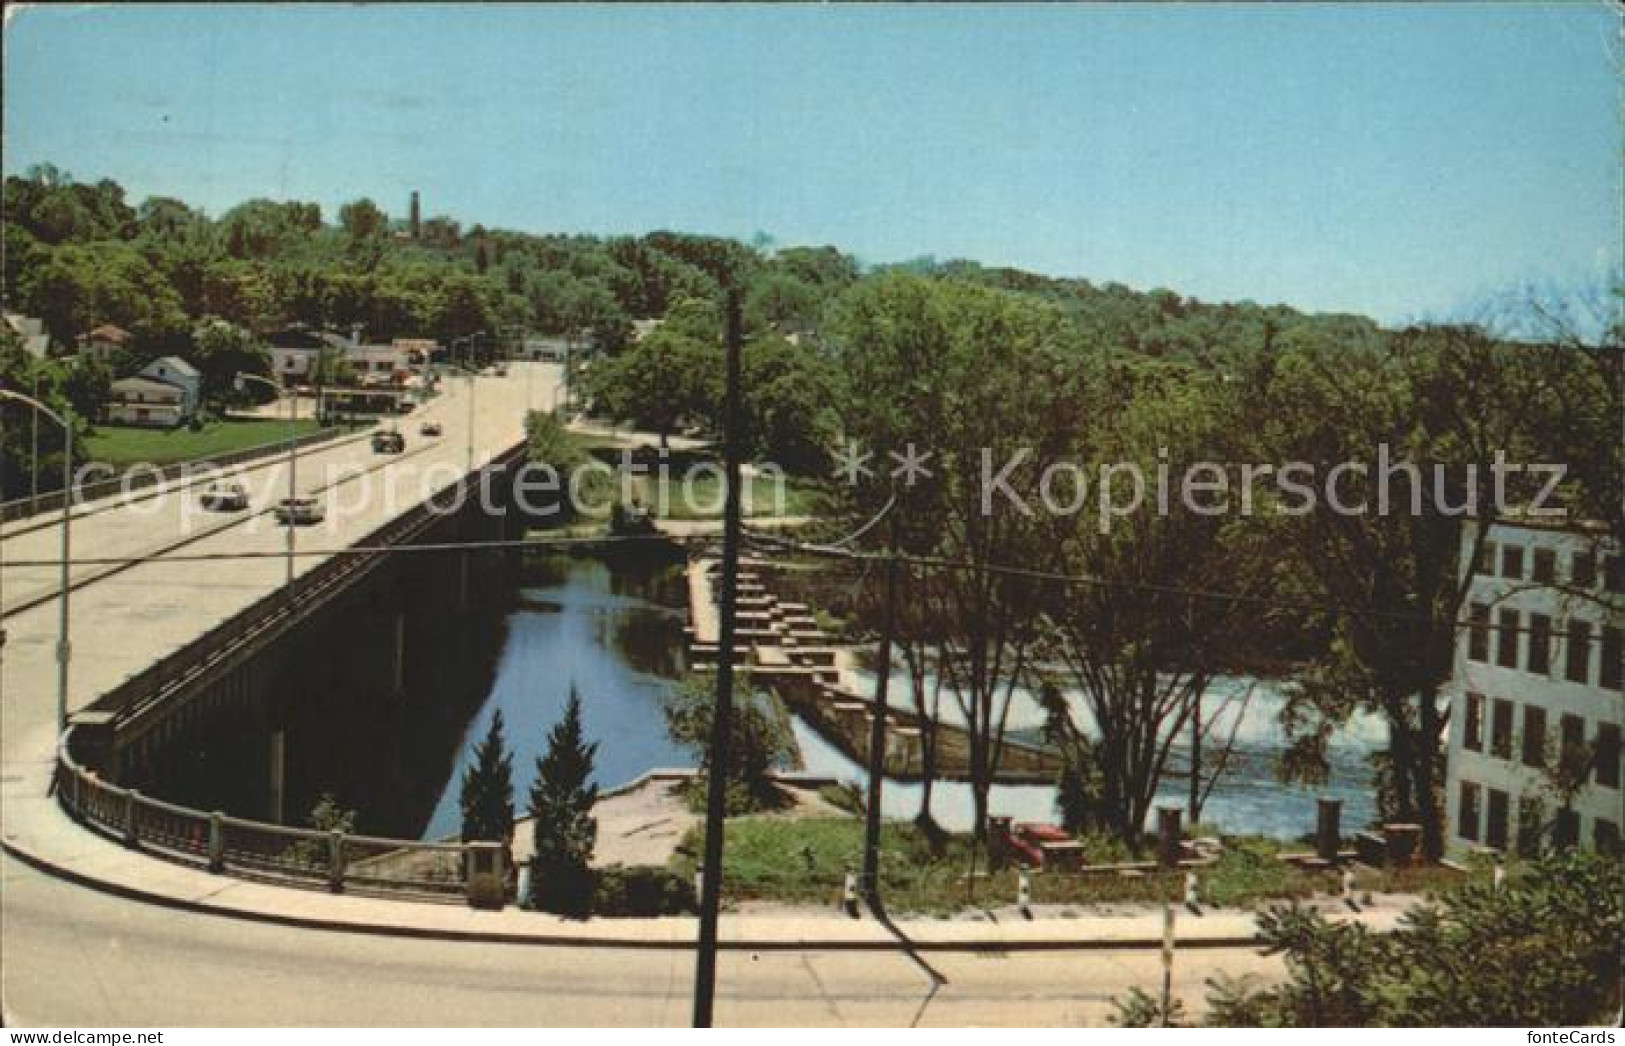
877, 729
705, 960
33, 452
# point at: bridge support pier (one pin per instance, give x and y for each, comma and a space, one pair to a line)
278, 764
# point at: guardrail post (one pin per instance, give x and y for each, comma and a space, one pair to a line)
217, 842
1024, 890
335, 861
1191, 901
486, 880
131, 838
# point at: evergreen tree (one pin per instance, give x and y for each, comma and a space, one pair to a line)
487, 788
561, 803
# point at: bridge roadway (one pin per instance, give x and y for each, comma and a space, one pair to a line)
124, 621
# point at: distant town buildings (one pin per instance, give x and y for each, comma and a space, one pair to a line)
1538, 692
165, 393
36, 342
103, 343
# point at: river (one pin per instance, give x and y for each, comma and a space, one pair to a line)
613, 630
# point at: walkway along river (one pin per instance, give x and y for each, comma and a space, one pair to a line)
613, 628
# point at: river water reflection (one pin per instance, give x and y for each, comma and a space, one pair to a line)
613, 629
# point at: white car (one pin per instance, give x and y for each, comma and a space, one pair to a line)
224, 497
299, 511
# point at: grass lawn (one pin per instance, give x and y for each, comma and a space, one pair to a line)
804, 861
121, 446
701, 497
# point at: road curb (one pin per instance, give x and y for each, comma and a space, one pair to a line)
899, 942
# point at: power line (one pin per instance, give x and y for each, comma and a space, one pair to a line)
785, 544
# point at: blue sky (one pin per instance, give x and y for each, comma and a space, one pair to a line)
1394, 160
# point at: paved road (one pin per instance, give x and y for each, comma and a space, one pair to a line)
124, 622
75, 957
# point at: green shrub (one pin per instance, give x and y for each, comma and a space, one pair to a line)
847, 795
641, 892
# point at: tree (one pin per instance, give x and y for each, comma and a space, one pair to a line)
657, 382
76, 287
487, 788
965, 376
1448, 399
788, 414
1079, 790
565, 832
1135, 644
363, 220
221, 351
1541, 951
760, 740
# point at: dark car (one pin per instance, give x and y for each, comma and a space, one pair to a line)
388, 442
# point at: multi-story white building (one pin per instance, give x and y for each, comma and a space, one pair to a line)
1539, 681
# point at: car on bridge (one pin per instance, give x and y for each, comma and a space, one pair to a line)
298, 512
388, 441
430, 428
224, 496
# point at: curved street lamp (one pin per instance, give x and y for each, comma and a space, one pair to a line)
64, 648
240, 382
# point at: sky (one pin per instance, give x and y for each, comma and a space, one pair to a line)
1399, 161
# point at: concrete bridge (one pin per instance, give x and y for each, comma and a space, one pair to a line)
173, 609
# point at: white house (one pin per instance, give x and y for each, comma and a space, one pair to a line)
177, 372
1539, 674
36, 340
145, 401
294, 353
382, 364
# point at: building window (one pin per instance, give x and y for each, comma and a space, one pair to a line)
1612, 676
1540, 644
1566, 830
1608, 755
1472, 736
1495, 830
1478, 638
1501, 729
1613, 573
1573, 733
1605, 836
1534, 735
1584, 571
1467, 812
1512, 562
1578, 654
1531, 819
1545, 566
1506, 640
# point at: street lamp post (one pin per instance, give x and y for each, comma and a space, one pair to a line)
471, 376
293, 464
64, 648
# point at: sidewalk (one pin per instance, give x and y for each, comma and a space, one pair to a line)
36, 831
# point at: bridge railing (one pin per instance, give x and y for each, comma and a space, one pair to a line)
224, 844
338, 861
133, 480
144, 691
